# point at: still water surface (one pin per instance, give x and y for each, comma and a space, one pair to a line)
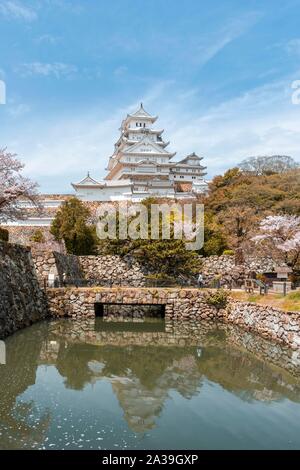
99, 385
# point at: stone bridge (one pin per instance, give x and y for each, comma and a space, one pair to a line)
175, 303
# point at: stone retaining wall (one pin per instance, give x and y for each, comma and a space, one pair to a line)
229, 272
130, 272
127, 271
22, 302
268, 322
113, 268
56, 263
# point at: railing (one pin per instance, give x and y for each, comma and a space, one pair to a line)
220, 283
252, 284
57, 283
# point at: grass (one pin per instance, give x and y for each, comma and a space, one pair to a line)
290, 302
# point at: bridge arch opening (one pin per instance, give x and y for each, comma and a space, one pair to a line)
129, 310
99, 310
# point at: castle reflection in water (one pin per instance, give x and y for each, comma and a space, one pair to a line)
143, 363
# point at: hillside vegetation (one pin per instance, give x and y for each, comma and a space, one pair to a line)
238, 201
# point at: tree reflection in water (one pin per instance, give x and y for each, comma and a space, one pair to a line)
143, 368
18, 429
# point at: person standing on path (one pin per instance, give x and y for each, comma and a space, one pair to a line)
200, 280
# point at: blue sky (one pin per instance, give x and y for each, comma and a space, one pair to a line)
217, 73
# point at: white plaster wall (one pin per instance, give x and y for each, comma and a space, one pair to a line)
105, 194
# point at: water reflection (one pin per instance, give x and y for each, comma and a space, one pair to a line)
145, 365
16, 425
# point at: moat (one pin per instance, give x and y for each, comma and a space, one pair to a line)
97, 384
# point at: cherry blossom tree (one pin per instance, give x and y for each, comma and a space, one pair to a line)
266, 165
13, 187
280, 235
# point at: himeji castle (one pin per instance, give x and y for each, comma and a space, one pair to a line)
141, 166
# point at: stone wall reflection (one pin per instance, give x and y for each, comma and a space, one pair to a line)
145, 367
17, 431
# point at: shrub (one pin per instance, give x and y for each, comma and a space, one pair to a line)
294, 295
37, 237
228, 252
261, 277
4, 234
218, 298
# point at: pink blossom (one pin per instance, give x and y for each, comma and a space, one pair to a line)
280, 233
13, 187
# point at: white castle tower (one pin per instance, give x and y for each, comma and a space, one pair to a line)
141, 166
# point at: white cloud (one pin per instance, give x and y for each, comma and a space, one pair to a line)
198, 47
261, 121
208, 47
72, 6
48, 38
293, 46
14, 10
120, 71
56, 69
17, 110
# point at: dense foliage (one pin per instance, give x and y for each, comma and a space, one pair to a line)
218, 298
168, 258
238, 201
71, 224
235, 207
215, 242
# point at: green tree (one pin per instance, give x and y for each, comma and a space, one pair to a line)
165, 258
71, 224
214, 239
238, 200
